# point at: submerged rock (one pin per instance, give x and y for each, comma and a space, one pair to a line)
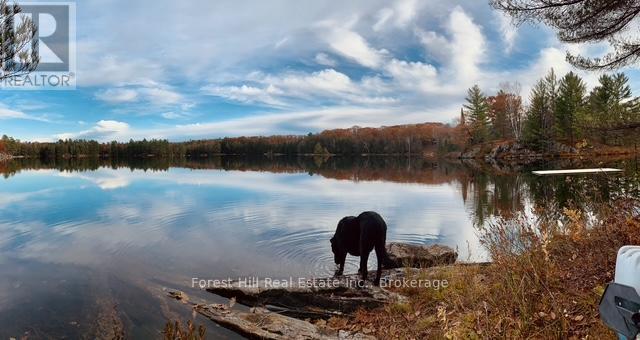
420, 256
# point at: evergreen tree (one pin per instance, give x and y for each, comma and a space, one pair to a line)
612, 104
477, 114
540, 122
585, 21
19, 44
570, 107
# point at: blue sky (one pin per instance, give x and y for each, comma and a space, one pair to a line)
203, 69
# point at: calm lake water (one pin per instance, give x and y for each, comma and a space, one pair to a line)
85, 246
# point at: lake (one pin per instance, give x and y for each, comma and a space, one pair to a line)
86, 245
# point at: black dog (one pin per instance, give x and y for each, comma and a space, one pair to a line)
358, 236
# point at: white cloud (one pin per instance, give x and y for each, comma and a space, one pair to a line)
104, 130
508, 30
383, 16
174, 115
325, 60
6, 114
103, 65
436, 45
161, 96
414, 75
468, 45
353, 46
463, 52
11, 114
401, 14
150, 94
246, 94
405, 11
287, 89
117, 96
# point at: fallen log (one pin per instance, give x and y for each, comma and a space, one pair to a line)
260, 323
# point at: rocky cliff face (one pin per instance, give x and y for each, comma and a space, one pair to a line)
516, 152
4, 157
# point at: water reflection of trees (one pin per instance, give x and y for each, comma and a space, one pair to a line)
489, 194
393, 169
487, 191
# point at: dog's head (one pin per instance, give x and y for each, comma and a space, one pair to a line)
337, 247
337, 250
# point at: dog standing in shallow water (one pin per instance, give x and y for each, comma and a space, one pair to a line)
358, 236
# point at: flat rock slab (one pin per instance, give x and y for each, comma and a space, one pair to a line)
420, 256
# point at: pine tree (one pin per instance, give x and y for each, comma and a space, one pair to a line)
540, 122
18, 46
570, 107
602, 100
612, 104
478, 114
584, 21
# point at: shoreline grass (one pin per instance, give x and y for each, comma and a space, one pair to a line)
545, 282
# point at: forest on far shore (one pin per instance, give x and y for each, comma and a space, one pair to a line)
559, 110
395, 140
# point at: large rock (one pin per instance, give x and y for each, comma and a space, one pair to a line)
420, 256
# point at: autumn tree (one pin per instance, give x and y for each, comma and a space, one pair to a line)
585, 21
477, 110
514, 108
498, 114
570, 107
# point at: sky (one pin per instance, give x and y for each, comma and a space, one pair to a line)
182, 70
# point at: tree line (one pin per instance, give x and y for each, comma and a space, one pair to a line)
394, 140
559, 110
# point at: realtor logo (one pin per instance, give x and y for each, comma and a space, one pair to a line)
55, 46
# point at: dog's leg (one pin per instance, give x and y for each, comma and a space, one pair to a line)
340, 270
364, 258
381, 257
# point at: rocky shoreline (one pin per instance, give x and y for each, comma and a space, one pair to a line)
5, 157
512, 152
300, 310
